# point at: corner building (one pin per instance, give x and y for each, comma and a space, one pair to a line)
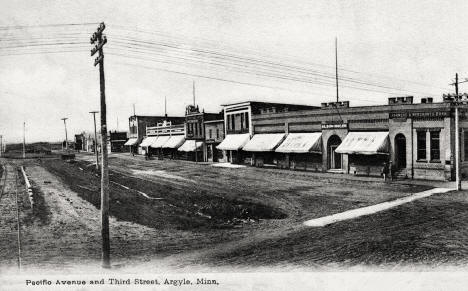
416, 141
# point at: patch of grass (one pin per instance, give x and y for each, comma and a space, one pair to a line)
179, 208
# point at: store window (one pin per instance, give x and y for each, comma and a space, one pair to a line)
435, 145
421, 145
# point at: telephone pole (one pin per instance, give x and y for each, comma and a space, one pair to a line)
66, 135
457, 132
95, 139
1, 145
101, 41
336, 67
24, 140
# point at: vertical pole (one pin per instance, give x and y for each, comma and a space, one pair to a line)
24, 140
95, 141
193, 92
66, 135
1, 145
104, 168
457, 137
336, 67
134, 114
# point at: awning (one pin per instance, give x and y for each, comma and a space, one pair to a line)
131, 141
364, 143
190, 146
264, 142
162, 139
301, 143
234, 142
174, 142
148, 141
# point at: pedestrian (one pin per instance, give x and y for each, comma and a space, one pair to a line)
385, 171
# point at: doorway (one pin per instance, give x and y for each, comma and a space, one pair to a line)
400, 151
334, 159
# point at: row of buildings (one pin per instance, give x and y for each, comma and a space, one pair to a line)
415, 140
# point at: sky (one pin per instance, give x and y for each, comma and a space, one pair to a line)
155, 50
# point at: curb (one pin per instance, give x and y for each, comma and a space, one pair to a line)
28, 187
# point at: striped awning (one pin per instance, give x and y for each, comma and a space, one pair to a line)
162, 139
174, 142
310, 142
364, 143
234, 142
264, 142
190, 146
148, 141
131, 141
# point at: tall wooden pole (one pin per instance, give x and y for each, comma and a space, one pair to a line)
97, 36
24, 140
457, 137
95, 139
336, 68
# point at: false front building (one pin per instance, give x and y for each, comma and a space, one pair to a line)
197, 147
413, 140
137, 129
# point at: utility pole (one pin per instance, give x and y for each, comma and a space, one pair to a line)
95, 139
24, 140
101, 41
165, 107
336, 67
1, 145
66, 135
457, 132
193, 92
134, 114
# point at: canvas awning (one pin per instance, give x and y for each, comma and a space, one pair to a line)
131, 141
190, 146
364, 143
148, 141
162, 139
264, 142
234, 142
174, 142
301, 143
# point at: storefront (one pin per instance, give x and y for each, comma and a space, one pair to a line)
368, 152
146, 143
169, 148
193, 150
232, 145
132, 145
261, 149
301, 151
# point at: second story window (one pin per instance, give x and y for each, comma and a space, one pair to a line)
233, 122
217, 132
210, 132
247, 120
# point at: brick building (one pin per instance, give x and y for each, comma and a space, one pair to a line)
416, 140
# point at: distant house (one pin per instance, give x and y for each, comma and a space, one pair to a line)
117, 140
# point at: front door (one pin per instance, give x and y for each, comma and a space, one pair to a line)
400, 151
335, 158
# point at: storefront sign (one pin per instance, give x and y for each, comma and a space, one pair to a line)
334, 125
428, 114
